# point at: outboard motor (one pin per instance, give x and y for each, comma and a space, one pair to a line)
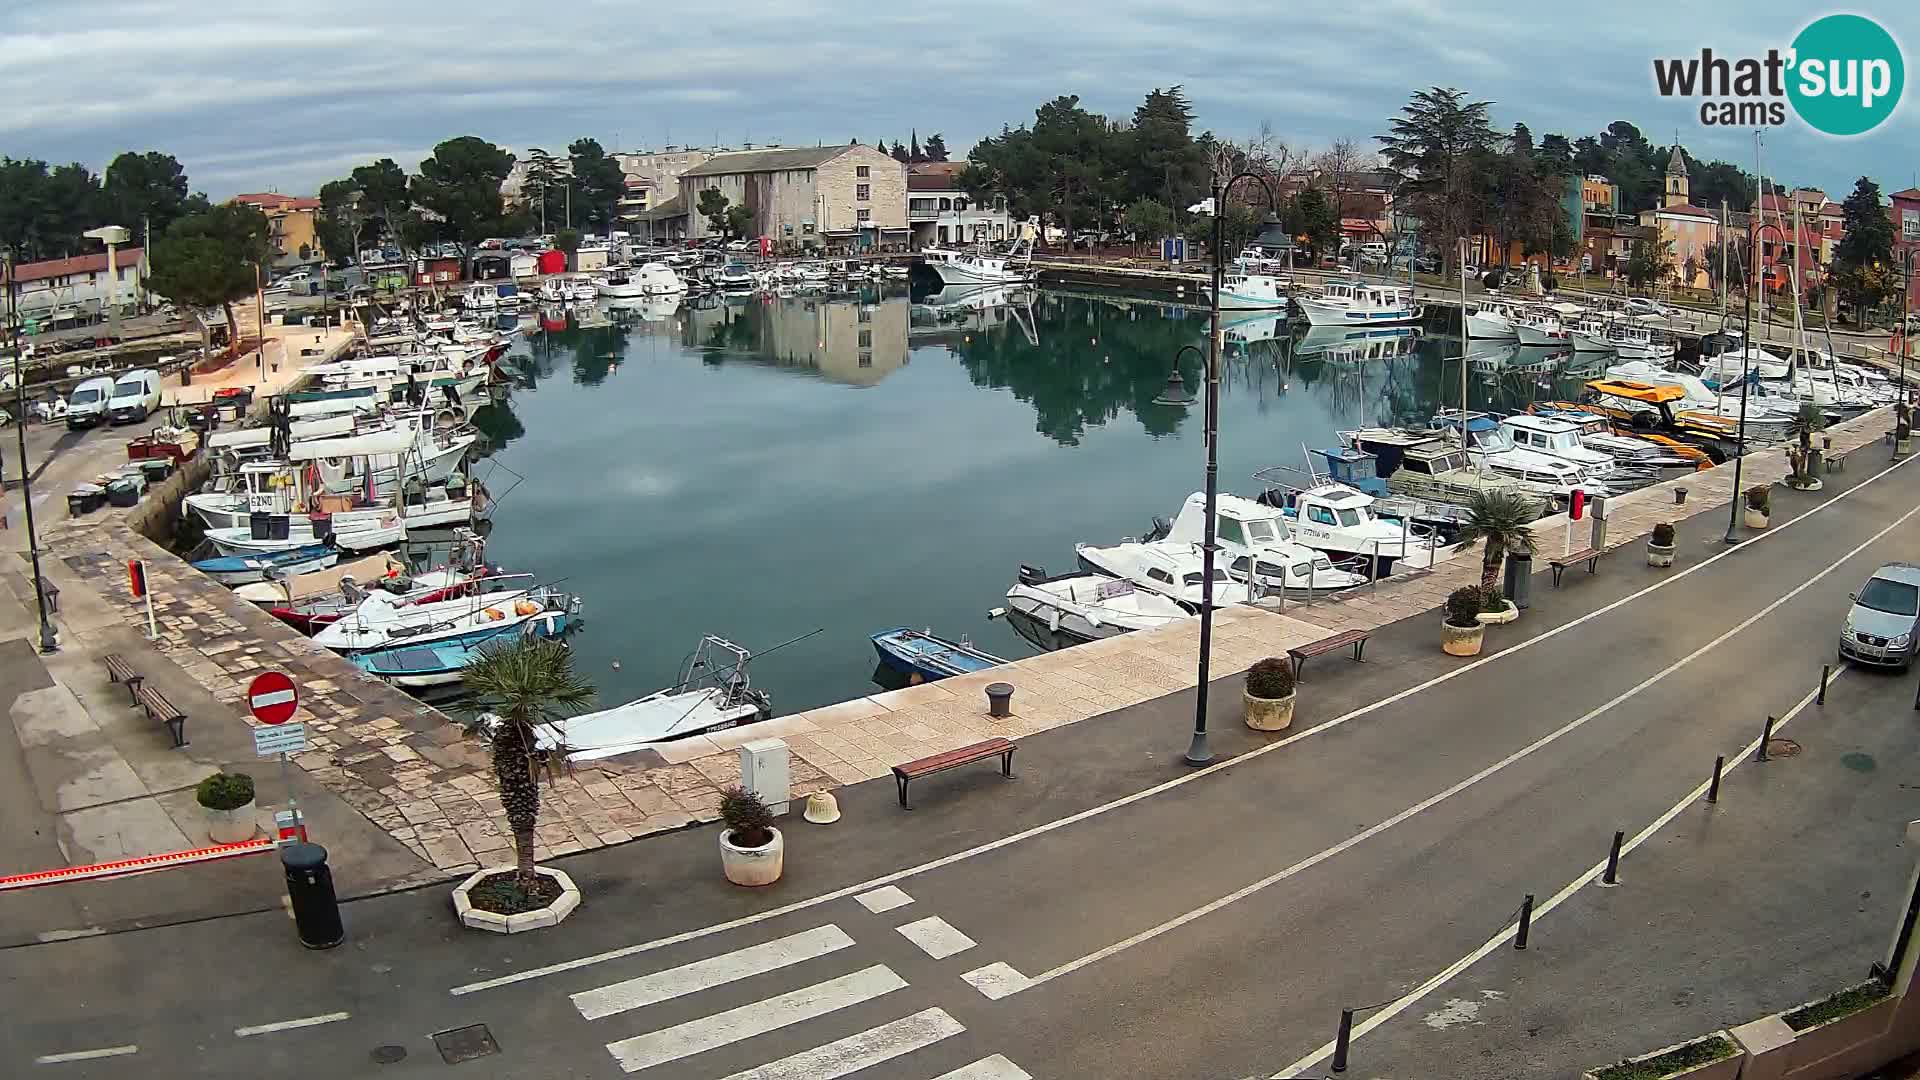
322, 527
1032, 575
1159, 530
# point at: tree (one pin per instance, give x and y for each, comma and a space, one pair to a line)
568, 241
43, 211
525, 681
1338, 171
544, 173
1310, 215
900, 153
1148, 220
1432, 145
213, 258
1163, 161
713, 206
341, 219
1863, 260
147, 190
460, 184
1646, 262
384, 196
598, 183
936, 147
914, 156
1736, 276
1502, 520
739, 220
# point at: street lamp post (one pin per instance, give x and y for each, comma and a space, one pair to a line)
48, 641
1197, 750
1747, 356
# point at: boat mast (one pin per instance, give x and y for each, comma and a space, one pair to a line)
1793, 282
1466, 344
1723, 264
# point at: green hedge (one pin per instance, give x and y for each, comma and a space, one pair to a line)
1845, 1003
1694, 1054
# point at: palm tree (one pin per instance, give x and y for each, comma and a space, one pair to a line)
1502, 519
524, 681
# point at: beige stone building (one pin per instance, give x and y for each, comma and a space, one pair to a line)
855, 344
837, 197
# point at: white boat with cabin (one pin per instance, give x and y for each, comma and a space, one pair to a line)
1359, 303
1072, 609
1293, 549
1252, 292
981, 266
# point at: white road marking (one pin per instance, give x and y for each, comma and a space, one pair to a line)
1431, 801
996, 1067
86, 1055
1169, 785
996, 980
1592, 875
711, 972
289, 1025
884, 899
936, 937
856, 1052
770, 1014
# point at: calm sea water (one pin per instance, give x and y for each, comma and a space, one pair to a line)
758, 469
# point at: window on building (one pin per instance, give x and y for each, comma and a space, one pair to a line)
863, 170
864, 215
807, 228
946, 204
959, 204
93, 279
866, 359
862, 192
865, 316
866, 339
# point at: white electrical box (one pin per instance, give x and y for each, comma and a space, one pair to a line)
763, 771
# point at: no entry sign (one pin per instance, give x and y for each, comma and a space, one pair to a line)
272, 697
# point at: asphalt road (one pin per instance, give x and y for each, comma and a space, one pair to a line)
1110, 913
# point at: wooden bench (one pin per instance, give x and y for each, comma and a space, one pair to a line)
1355, 638
1583, 555
953, 759
119, 671
159, 708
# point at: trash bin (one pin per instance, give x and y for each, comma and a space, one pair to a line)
1519, 580
316, 914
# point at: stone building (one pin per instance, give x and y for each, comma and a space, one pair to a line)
837, 197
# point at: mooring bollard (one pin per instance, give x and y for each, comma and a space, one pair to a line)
1612, 876
1526, 922
1822, 698
1766, 736
999, 699
1713, 789
1679, 495
1341, 1041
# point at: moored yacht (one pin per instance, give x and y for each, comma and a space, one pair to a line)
1359, 303
981, 267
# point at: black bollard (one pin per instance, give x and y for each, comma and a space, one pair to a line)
1824, 669
1766, 736
1612, 876
1713, 789
316, 913
1526, 922
1341, 1040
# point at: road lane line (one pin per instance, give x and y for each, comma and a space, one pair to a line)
770, 1014
1162, 787
713, 971
86, 1055
1431, 801
855, 1052
1448, 973
996, 1067
936, 937
289, 1025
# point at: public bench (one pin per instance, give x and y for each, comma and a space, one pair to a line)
1356, 638
1584, 555
119, 671
953, 759
160, 709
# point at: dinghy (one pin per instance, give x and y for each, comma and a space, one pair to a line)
243, 569
924, 656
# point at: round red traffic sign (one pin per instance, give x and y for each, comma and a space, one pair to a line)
273, 698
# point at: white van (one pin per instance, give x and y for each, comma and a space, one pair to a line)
87, 404
135, 395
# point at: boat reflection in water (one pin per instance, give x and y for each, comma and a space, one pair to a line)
1340, 344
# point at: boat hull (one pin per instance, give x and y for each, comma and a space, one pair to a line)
928, 657
1533, 335
951, 273
1321, 314
1485, 329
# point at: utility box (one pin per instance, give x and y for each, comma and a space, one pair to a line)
763, 771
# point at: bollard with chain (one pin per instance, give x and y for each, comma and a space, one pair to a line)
1341, 1041
1526, 922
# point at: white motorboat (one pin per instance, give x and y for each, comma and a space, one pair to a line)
735, 277
1491, 320
621, 283
981, 267
553, 291
1489, 445
384, 619
658, 279
581, 289
1174, 570
1252, 292
353, 530
1359, 303
1247, 530
1560, 439
1727, 368
712, 695
1590, 335
1072, 609
480, 296
1539, 325
1635, 342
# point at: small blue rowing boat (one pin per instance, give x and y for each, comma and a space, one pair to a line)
245, 569
443, 662
927, 656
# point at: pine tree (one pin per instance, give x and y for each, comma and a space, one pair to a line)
914, 156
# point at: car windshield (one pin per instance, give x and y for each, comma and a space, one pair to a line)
1892, 597
84, 395
128, 389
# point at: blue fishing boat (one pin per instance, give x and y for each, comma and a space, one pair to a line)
245, 569
924, 655
443, 662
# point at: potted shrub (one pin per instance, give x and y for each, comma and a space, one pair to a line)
228, 800
517, 684
1660, 546
1759, 504
1502, 520
1269, 694
1461, 632
752, 851
1495, 608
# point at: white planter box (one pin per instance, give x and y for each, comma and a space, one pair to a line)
231, 826
551, 915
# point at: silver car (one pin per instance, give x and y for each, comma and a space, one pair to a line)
1881, 625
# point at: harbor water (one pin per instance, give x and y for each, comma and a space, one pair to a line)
761, 468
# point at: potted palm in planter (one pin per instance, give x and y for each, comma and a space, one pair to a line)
1269, 695
1759, 505
1501, 521
1660, 546
228, 800
1803, 458
517, 684
752, 851
1461, 632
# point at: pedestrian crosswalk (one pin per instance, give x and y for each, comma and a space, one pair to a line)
836, 979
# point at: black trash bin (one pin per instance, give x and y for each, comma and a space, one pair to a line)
1518, 584
316, 914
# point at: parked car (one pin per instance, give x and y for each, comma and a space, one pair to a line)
87, 404
135, 396
1880, 625
1640, 305
741, 245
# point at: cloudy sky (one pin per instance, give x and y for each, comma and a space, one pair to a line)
252, 96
